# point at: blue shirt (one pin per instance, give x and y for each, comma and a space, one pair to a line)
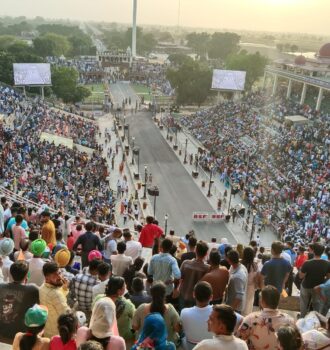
292, 254
163, 267
274, 271
325, 290
12, 222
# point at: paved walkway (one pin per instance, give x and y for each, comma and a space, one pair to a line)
238, 228
106, 122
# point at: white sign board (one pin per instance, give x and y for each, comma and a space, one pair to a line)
228, 80
32, 74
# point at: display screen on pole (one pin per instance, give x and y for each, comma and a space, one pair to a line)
32, 74
228, 80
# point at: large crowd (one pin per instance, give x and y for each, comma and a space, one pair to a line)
153, 75
68, 283
89, 69
281, 170
57, 176
189, 294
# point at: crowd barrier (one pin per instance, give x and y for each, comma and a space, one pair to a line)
208, 217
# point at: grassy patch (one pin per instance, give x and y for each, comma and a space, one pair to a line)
97, 95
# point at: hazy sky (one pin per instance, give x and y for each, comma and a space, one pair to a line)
308, 16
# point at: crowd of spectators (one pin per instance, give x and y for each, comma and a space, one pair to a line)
81, 131
189, 294
70, 284
153, 75
57, 176
281, 170
89, 69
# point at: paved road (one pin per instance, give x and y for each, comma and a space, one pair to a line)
179, 195
121, 90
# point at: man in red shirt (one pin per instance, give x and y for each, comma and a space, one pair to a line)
149, 232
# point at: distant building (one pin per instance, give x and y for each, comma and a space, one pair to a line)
307, 71
115, 58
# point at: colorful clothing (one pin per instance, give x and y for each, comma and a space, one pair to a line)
259, 328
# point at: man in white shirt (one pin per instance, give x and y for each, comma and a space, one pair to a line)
36, 264
133, 248
222, 323
104, 273
194, 319
120, 262
212, 245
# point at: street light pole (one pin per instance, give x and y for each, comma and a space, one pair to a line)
133, 139
166, 218
185, 153
139, 163
155, 206
176, 134
145, 182
231, 190
210, 183
253, 225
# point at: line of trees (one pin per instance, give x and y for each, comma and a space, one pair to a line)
192, 79
55, 40
217, 45
123, 39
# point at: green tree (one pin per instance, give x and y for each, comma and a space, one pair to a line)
59, 29
280, 47
177, 59
192, 81
51, 45
199, 42
81, 44
253, 64
294, 48
6, 41
223, 44
115, 38
18, 28
165, 37
6, 63
64, 85
20, 48
81, 93
145, 42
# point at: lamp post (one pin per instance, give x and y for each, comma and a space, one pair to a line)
231, 191
211, 181
253, 224
154, 191
133, 139
185, 152
166, 218
145, 182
